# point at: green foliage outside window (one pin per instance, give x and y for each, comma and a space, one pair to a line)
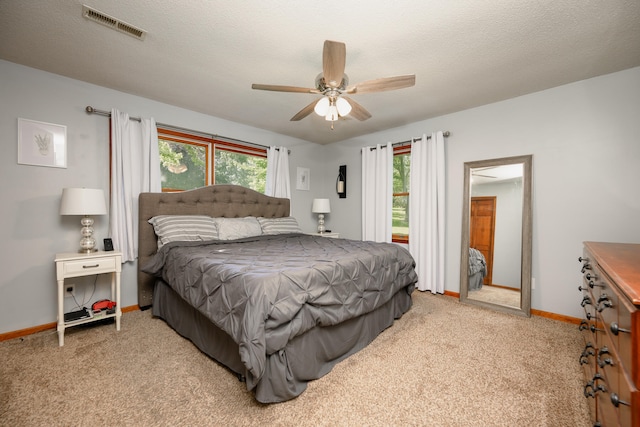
183, 166
240, 169
400, 214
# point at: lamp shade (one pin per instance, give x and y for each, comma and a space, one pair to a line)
322, 107
332, 114
321, 206
343, 106
82, 201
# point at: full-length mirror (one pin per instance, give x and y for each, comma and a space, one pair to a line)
495, 268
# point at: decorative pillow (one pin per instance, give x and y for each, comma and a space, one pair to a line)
237, 228
185, 228
279, 225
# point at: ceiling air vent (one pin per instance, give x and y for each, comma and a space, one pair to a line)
113, 23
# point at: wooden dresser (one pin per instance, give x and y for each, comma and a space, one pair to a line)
611, 329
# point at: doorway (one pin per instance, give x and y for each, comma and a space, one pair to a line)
482, 230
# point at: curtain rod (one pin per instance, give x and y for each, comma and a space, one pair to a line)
91, 110
446, 133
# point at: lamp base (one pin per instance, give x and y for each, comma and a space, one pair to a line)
321, 228
87, 243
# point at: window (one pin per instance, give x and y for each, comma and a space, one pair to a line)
190, 161
400, 215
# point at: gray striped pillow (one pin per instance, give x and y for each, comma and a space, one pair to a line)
185, 228
279, 225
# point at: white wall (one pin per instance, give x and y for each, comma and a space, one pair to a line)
32, 231
507, 245
585, 146
584, 138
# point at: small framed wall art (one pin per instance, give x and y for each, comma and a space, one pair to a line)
42, 144
302, 179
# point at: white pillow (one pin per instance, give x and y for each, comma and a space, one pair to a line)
185, 228
237, 228
279, 225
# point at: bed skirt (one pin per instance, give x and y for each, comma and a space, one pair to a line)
476, 280
305, 358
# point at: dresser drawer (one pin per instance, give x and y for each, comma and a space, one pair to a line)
607, 414
624, 399
89, 266
625, 332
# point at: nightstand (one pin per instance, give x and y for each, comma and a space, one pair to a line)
330, 235
72, 264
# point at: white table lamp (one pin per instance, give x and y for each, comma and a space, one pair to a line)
84, 202
321, 207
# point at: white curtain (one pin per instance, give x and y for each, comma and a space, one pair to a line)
377, 192
278, 182
426, 211
135, 168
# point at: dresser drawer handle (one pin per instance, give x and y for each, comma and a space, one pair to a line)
595, 388
604, 302
615, 329
617, 402
592, 284
91, 266
584, 325
585, 264
588, 351
592, 328
603, 362
585, 301
587, 392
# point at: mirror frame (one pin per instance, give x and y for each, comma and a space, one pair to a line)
525, 265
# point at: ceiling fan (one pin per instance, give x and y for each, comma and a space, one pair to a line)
474, 172
332, 83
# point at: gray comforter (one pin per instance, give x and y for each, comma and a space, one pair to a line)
266, 290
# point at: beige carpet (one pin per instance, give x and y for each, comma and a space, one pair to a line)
442, 364
496, 295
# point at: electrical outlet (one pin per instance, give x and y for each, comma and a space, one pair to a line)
533, 283
69, 290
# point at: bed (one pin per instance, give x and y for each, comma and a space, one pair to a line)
278, 309
477, 269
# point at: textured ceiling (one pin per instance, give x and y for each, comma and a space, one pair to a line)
204, 55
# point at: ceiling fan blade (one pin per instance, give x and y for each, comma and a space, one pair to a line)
334, 57
304, 112
357, 110
277, 88
385, 83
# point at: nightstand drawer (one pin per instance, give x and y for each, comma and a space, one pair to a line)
327, 234
89, 266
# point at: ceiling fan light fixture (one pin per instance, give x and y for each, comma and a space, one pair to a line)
332, 114
322, 107
343, 106
332, 82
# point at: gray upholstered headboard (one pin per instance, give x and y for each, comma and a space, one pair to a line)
230, 201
